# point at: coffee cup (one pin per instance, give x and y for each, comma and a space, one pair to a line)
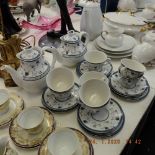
4, 101
94, 94
60, 81
92, 75
131, 71
96, 60
31, 120
62, 142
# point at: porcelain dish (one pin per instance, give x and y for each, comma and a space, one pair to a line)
137, 93
15, 106
82, 67
85, 149
23, 139
106, 122
49, 101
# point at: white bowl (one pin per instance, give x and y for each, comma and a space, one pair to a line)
94, 93
92, 75
63, 142
60, 79
95, 57
31, 118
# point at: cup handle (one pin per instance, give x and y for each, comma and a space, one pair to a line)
107, 61
84, 35
120, 69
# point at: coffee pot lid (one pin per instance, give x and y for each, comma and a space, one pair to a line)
70, 37
29, 54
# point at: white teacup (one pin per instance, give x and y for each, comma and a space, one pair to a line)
96, 60
31, 119
94, 93
148, 13
93, 75
62, 142
60, 81
4, 101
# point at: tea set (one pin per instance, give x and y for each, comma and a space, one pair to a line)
114, 43
128, 82
95, 61
10, 106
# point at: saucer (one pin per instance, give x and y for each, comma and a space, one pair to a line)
128, 44
49, 101
15, 106
100, 125
137, 91
86, 146
23, 139
82, 67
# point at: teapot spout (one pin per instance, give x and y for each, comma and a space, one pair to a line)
14, 74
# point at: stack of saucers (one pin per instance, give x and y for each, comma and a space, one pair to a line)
98, 114
122, 51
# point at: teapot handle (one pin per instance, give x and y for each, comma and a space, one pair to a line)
85, 36
52, 50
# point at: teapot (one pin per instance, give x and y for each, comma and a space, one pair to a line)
31, 74
72, 48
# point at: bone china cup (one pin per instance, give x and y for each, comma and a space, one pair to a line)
96, 60
62, 142
94, 93
60, 81
92, 75
4, 101
131, 69
31, 119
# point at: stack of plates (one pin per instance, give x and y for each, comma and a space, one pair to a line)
106, 122
118, 52
135, 94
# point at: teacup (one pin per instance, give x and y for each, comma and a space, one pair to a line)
31, 120
92, 75
96, 60
60, 81
62, 142
148, 13
131, 71
94, 93
4, 101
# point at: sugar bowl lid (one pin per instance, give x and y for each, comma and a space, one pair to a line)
29, 54
70, 37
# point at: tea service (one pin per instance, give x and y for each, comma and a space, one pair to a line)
62, 92
95, 61
5, 148
31, 126
97, 110
81, 144
128, 82
31, 74
10, 106
72, 48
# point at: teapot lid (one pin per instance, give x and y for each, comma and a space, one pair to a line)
70, 37
29, 54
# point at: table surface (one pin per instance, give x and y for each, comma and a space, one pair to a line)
133, 111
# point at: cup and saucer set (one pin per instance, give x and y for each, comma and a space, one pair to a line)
114, 43
98, 114
31, 126
128, 82
95, 61
5, 148
10, 106
66, 141
62, 92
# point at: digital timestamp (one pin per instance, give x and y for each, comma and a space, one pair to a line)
116, 141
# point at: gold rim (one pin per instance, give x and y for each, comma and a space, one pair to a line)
7, 118
24, 139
